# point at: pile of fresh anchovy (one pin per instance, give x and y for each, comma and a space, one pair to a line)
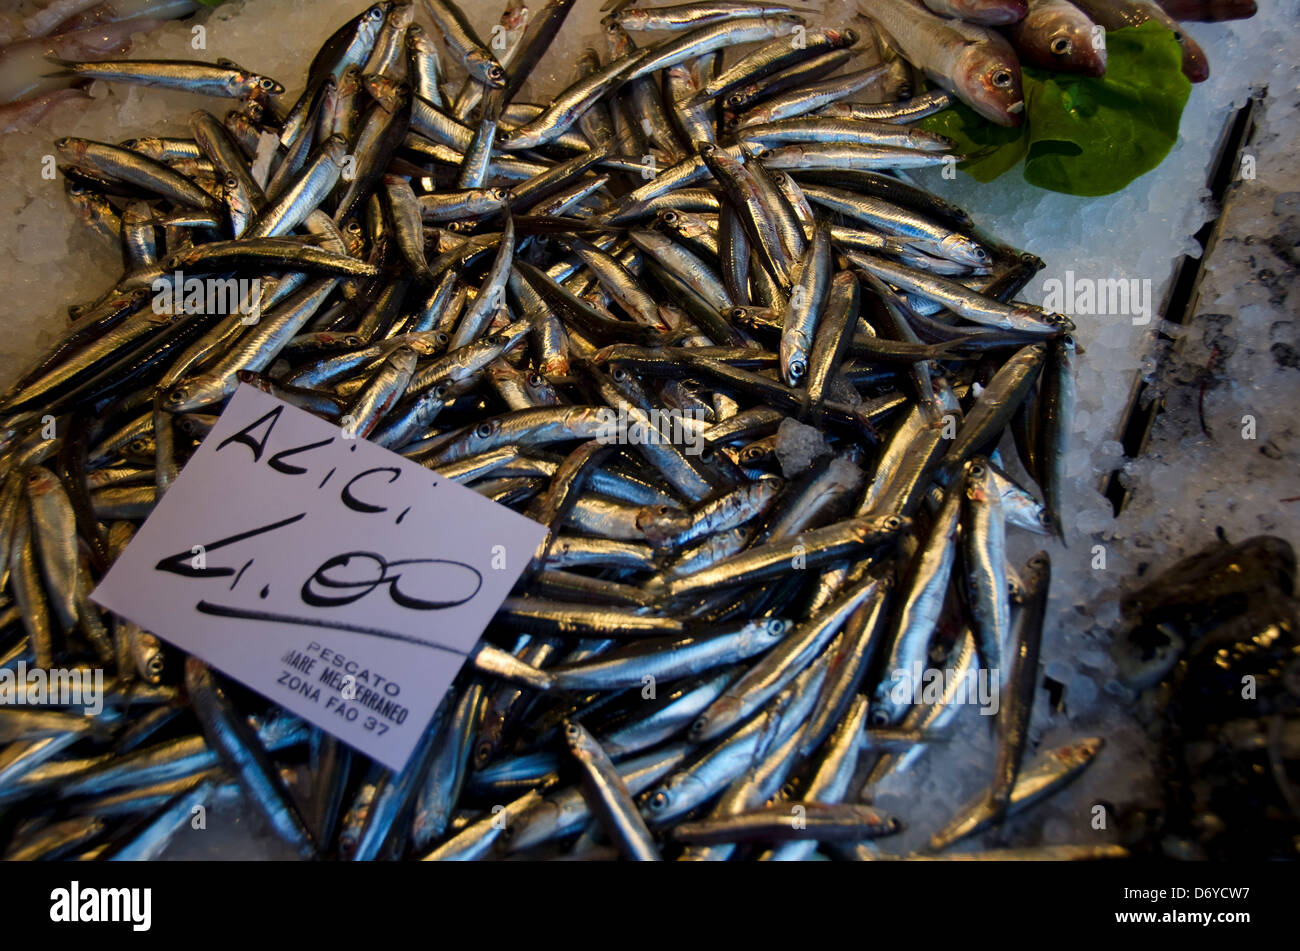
709, 656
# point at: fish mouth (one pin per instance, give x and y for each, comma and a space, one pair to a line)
1091, 63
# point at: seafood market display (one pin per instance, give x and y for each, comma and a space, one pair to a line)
690, 314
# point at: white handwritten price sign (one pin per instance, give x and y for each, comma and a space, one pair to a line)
339, 579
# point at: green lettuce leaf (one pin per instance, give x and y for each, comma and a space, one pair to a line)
1084, 135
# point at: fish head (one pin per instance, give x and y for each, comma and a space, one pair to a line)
766, 488
740, 98
486, 69
183, 396
1061, 322
150, 661
662, 523
758, 452
988, 78
677, 794
980, 486
483, 432
579, 739
402, 13
1079, 50
885, 527
794, 357
350, 82
533, 827
540, 387
890, 703
748, 317
629, 17
768, 631
1195, 66
617, 40
721, 715
71, 148
963, 250
266, 85
1078, 753
369, 22
40, 481
1068, 43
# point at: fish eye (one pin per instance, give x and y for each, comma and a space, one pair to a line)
735, 99
178, 394
618, 374
977, 470
441, 338
879, 717
267, 83
495, 72
797, 368
981, 254
352, 340
441, 391
659, 800
536, 379
670, 217
483, 430
1061, 45
1002, 79
893, 522
499, 194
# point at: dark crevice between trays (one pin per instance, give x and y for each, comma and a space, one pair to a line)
1180, 305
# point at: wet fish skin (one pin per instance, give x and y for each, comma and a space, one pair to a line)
969, 61
1021, 681
1057, 35
609, 796
246, 757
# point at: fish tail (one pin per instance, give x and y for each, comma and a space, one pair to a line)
68, 67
